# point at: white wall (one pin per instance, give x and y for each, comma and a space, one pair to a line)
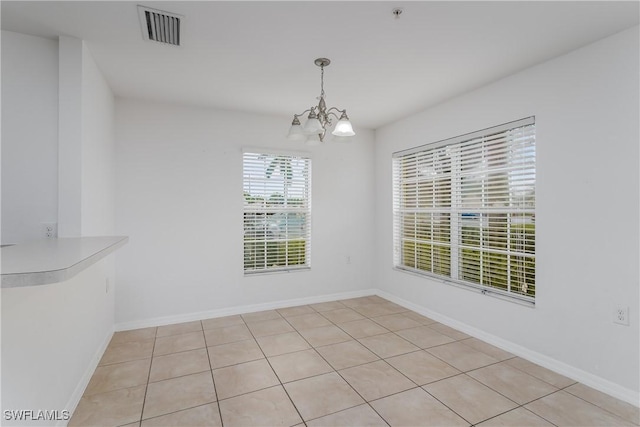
70, 137
98, 151
57, 139
52, 339
55, 125
86, 148
29, 135
179, 199
587, 120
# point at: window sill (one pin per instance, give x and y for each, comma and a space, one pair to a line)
495, 293
275, 271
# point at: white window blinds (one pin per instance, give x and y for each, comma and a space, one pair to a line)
277, 212
464, 208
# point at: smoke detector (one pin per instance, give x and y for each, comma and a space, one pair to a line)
160, 26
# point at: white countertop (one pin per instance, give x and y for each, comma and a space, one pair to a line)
45, 261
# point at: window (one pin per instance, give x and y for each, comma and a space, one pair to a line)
464, 209
277, 212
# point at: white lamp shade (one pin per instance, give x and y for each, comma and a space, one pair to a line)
314, 139
296, 133
313, 126
343, 128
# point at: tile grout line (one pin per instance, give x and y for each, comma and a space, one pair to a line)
215, 389
337, 371
276, 374
334, 370
146, 387
595, 404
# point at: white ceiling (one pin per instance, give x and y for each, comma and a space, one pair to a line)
258, 56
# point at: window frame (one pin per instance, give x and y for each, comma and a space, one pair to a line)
298, 209
449, 245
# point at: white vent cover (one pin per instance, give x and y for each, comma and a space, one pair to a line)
160, 26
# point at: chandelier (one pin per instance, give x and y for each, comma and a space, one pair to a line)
319, 118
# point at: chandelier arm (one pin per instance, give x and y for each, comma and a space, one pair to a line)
303, 113
329, 112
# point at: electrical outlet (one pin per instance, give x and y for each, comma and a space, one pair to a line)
348, 259
621, 315
49, 230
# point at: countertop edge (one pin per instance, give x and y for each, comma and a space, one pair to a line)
37, 278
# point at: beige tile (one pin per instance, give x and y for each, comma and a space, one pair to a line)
422, 368
564, 409
261, 316
274, 345
346, 354
176, 343
136, 424
125, 352
175, 394
324, 335
322, 395
119, 375
221, 322
461, 357
244, 378
205, 415
448, 331
270, 327
360, 301
327, 306
113, 408
179, 328
520, 417
376, 379
359, 416
541, 373
295, 311
489, 349
307, 321
374, 310
179, 364
342, 315
416, 407
145, 334
227, 334
617, 407
423, 320
268, 408
302, 364
376, 299
387, 345
234, 353
424, 337
395, 322
395, 307
363, 328
470, 399
512, 383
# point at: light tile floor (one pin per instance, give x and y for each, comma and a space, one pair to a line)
362, 361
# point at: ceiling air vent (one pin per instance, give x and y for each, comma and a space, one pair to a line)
160, 26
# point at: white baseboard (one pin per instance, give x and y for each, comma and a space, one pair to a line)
86, 377
627, 395
189, 317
